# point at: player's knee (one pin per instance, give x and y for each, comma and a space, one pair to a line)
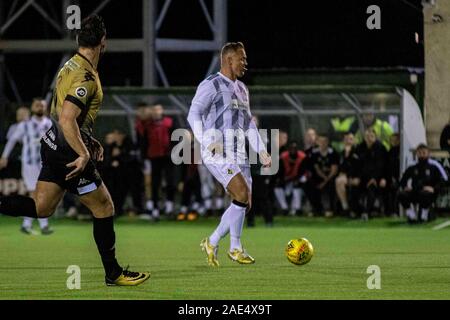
107, 208
44, 211
242, 195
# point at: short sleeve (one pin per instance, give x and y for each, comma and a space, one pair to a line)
81, 89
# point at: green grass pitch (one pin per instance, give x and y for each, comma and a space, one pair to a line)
414, 261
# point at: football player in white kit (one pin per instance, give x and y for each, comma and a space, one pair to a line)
221, 104
29, 133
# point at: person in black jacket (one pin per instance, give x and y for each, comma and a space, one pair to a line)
420, 185
348, 177
392, 175
324, 162
121, 171
372, 155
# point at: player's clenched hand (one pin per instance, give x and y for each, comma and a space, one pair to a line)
266, 159
3, 163
79, 164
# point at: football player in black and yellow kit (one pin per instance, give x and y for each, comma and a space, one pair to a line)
69, 152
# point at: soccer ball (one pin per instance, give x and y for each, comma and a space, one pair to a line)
299, 251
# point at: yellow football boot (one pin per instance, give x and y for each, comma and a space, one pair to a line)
211, 252
241, 256
128, 278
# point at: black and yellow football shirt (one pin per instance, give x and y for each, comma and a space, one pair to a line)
79, 83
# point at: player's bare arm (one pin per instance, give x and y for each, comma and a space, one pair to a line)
71, 131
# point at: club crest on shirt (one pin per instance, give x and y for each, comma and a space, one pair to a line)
229, 171
236, 104
80, 92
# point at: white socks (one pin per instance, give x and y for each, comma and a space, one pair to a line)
411, 213
43, 223
27, 222
232, 221
424, 214
236, 225
281, 198
222, 229
296, 202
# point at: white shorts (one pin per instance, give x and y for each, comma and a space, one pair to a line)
30, 174
225, 172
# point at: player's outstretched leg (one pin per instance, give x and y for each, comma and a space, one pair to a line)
239, 191
101, 206
211, 252
41, 205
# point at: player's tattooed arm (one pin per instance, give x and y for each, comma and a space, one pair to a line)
71, 131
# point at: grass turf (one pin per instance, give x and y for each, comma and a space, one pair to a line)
414, 261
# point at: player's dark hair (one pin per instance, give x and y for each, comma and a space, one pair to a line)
36, 99
422, 146
231, 47
91, 32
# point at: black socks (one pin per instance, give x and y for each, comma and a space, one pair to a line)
18, 206
105, 238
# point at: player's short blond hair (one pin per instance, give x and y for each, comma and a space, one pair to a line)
231, 47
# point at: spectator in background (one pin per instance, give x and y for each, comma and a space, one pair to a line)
276, 182
340, 126
22, 114
143, 116
382, 129
283, 138
324, 163
392, 176
29, 132
190, 186
420, 185
348, 177
261, 187
121, 171
373, 156
445, 138
289, 174
309, 141
158, 131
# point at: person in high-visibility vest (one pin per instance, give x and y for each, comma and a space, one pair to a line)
340, 126
383, 129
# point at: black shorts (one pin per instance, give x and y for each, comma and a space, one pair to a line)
56, 154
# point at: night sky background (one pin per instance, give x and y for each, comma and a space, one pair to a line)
277, 34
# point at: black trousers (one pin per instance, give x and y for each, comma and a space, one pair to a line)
260, 199
192, 187
423, 198
315, 195
365, 197
163, 166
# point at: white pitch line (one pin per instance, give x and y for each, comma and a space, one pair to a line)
442, 225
